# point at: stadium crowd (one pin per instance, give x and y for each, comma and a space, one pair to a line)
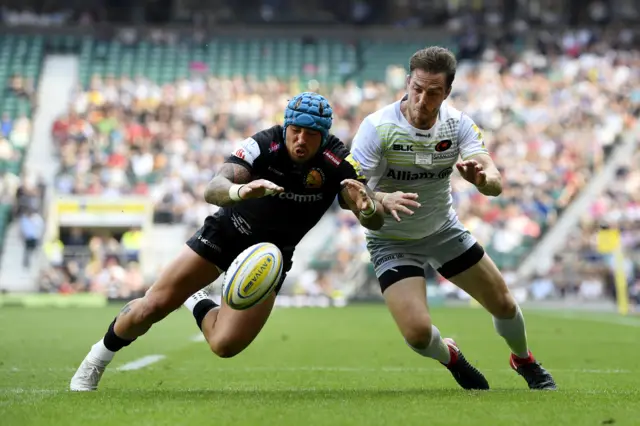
549, 121
105, 263
581, 269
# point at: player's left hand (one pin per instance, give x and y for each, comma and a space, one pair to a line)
358, 193
472, 172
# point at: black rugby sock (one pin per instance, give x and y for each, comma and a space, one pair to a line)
112, 341
201, 309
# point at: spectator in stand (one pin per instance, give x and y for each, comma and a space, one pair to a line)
32, 230
550, 120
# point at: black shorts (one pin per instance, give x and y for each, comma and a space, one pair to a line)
219, 242
466, 260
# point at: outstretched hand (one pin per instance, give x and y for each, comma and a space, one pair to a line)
472, 172
258, 189
358, 193
399, 201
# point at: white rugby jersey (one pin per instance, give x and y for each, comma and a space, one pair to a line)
396, 156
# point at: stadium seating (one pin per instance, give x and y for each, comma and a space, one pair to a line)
20, 65
378, 55
173, 167
326, 61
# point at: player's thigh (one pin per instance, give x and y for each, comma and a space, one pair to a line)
399, 267
458, 257
484, 282
407, 302
200, 262
387, 256
234, 329
185, 275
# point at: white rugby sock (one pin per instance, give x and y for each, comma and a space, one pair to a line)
100, 352
514, 332
193, 300
437, 348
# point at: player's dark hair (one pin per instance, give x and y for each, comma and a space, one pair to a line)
435, 60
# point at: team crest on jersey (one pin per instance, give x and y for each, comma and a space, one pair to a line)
314, 179
443, 145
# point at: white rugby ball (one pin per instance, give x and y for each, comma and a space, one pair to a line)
252, 276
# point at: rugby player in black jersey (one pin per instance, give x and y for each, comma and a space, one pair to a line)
274, 188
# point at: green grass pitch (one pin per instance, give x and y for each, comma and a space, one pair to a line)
341, 366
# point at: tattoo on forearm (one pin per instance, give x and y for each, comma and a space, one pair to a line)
217, 191
235, 173
125, 310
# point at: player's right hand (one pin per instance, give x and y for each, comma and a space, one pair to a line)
399, 201
258, 189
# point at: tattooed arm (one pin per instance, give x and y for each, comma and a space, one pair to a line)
233, 183
217, 191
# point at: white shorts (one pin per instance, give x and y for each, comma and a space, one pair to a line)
445, 245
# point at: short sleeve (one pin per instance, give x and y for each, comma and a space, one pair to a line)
339, 156
366, 147
247, 154
351, 169
470, 139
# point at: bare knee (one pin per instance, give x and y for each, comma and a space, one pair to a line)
503, 306
224, 347
417, 333
155, 307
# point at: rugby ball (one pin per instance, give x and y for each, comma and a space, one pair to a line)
252, 276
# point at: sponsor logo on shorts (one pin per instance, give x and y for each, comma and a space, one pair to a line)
299, 198
241, 224
208, 243
388, 258
406, 175
463, 237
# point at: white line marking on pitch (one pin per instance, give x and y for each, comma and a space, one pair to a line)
141, 363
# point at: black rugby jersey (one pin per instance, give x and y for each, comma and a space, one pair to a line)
309, 189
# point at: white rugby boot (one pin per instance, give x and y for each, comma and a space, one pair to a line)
90, 371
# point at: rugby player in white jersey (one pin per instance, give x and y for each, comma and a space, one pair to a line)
412, 145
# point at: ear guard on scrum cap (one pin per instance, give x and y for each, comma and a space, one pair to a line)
310, 110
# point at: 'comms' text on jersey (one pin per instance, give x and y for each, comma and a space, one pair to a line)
309, 189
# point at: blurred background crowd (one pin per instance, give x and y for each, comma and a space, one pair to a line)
551, 112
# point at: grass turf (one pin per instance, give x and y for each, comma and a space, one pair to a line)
318, 367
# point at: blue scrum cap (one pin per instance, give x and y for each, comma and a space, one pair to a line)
310, 110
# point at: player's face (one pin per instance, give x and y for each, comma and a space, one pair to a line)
302, 143
426, 93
